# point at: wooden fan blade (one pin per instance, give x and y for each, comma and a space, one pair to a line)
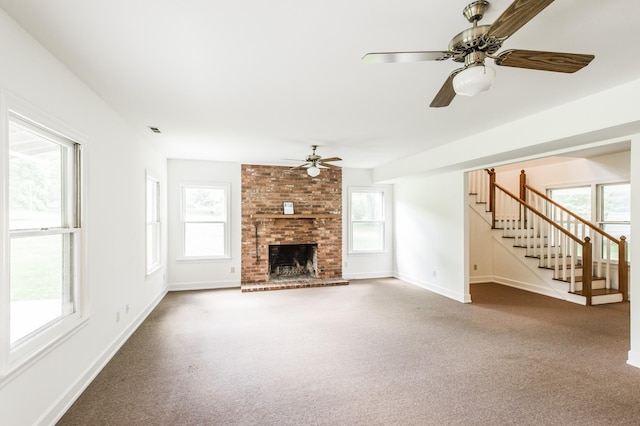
387, 57
324, 160
327, 165
302, 166
446, 94
515, 16
545, 61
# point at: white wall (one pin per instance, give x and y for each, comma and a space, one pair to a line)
481, 259
634, 352
608, 168
568, 171
185, 275
116, 158
431, 234
366, 265
199, 274
611, 116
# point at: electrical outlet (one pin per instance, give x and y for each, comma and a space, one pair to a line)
435, 274
118, 316
475, 267
233, 270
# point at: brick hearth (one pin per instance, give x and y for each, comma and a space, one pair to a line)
317, 219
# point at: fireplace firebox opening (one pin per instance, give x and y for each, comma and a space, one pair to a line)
293, 261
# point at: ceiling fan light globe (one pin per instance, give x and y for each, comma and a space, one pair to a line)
473, 80
313, 171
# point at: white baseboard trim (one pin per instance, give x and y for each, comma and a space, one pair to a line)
208, 285
634, 359
459, 297
481, 279
64, 402
368, 275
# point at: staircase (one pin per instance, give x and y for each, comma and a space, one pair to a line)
575, 258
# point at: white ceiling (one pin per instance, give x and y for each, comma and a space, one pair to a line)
259, 81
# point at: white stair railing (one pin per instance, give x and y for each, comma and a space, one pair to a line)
479, 185
607, 250
555, 247
560, 239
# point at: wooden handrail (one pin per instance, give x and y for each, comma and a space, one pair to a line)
542, 215
623, 266
587, 264
569, 212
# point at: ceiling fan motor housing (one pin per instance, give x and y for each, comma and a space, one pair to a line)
473, 40
474, 11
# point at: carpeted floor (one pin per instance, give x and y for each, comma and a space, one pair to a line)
375, 352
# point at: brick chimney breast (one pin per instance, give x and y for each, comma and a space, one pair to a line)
317, 217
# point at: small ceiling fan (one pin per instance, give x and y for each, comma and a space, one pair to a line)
313, 162
474, 44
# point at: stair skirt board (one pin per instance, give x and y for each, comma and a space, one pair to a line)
533, 288
516, 246
569, 297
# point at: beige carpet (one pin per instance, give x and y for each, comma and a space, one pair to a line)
375, 352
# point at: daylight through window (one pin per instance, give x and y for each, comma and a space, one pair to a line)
367, 221
153, 224
44, 228
205, 221
614, 213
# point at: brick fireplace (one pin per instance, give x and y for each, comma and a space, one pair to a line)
316, 221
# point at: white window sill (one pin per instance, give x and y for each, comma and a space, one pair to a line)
24, 362
203, 259
154, 269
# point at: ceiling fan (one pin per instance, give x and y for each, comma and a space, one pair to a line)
313, 162
474, 44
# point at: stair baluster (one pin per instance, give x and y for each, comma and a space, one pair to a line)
561, 240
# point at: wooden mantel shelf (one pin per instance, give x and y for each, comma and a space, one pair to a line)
295, 216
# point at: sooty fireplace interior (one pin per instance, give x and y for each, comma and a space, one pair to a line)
293, 261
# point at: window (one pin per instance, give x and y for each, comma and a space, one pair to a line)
612, 209
577, 200
367, 221
153, 224
44, 235
205, 213
614, 212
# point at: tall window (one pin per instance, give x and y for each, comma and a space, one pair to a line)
577, 200
205, 216
614, 211
611, 212
44, 229
367, 221
153, 224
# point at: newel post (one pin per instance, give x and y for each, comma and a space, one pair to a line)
492, 195
523, 182
623, 269
587, 269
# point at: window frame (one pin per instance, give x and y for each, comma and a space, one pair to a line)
596, 207
592, 200
381, 221
155, 223
601, 223
226, 187
14, 356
